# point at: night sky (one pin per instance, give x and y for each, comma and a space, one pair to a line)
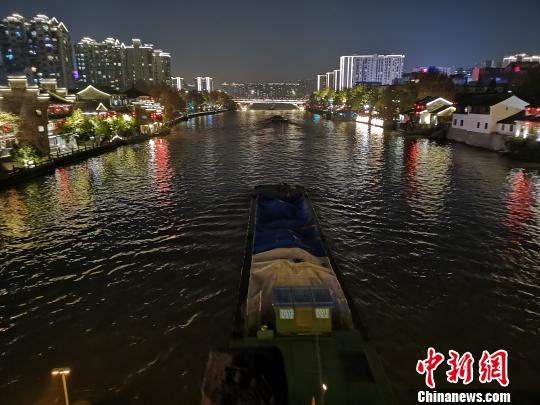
252, 40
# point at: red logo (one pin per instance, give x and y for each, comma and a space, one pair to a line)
429, 365
494, 367
461, 367
491, 367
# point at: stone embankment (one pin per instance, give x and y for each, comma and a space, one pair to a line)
493, 142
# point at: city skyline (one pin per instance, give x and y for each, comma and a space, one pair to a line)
230, 42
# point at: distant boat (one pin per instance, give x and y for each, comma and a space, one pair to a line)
279, 118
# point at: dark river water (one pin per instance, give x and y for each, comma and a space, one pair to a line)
125, 267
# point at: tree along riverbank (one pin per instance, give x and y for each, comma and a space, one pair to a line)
53, 162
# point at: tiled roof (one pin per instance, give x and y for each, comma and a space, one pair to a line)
92, 93
512, 118
482, 99
58, 99
442, 108
425, 100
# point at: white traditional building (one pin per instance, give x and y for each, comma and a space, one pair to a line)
431, 109
523, 124
481, 113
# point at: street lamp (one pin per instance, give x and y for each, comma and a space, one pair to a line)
62, 371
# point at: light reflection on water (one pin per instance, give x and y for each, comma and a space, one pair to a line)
125, 267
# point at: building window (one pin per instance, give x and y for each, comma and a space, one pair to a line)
478, 125
511, 128
485, 125
503, 127
461, 123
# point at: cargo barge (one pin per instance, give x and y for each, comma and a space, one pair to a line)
295, 339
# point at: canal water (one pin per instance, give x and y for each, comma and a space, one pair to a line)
125, 267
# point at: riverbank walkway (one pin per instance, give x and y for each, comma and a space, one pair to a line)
61, 159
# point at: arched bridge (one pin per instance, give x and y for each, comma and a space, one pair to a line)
245, 103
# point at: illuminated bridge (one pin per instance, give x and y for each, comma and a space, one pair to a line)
245, 103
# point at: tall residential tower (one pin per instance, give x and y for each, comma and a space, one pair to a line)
101, 64
39, 48
380, 69
204, 84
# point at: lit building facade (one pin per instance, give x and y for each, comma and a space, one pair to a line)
101, 64
14, 45
178, 83
39, 48
139, 59
333, 79
482, 112
322, 82
21, 98
281, 91
520, 57
330, 79
380, 69
113, 65
204, 83
161, 67
235, 90
275, 91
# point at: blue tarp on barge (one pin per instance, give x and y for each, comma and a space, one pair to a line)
286, 223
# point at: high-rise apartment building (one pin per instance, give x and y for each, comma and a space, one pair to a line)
178, 83
322, 82
204, 84
380, 69
161, 67
333, 79
14, 45
39, 48
101, 64
140, 58
114, 65
329, 80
